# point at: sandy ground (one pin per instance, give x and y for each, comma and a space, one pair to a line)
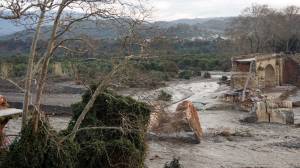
254, 145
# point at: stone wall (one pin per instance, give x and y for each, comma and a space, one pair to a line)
238, 81
268, 72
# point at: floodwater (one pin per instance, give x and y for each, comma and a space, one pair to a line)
253, 145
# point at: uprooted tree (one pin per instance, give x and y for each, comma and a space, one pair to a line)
111, 135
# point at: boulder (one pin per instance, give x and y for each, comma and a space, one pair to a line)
282, 116
261, 112
275, 112
186, 119
183, 125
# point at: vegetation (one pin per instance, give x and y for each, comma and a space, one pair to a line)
164, 96
126, 145
155, 69
111, 135
261, 28
174, 164
186, 74
41, 149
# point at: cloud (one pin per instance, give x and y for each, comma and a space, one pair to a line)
177, 9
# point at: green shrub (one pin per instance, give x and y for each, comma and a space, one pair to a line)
170, 66
19, 70
186, 74
164, 96
174, 164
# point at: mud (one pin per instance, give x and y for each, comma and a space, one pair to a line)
57, 99
226, 142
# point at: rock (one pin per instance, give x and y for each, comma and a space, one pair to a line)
275, 112
282, 116
186, 119
183, 125
261, 112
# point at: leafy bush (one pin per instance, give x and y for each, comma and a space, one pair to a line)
170, 66
163, 95
186, 74
19, 70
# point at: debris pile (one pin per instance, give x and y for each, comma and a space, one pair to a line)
244, 101
261, 107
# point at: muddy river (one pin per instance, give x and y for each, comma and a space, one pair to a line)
253, 145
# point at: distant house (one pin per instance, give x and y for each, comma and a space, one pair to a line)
260, 71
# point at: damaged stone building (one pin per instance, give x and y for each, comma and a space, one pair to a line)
261, 83
261, 71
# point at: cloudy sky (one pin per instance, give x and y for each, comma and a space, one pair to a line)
177, 9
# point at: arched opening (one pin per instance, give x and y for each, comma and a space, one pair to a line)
270, 78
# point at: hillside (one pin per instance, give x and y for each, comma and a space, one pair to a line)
184, 28
8, 27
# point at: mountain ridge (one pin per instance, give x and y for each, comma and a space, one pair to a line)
181, 28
